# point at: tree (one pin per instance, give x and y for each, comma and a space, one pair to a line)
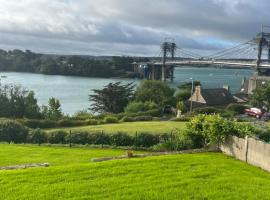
113, 98
53, 111
261, 97
18, 102
155, 91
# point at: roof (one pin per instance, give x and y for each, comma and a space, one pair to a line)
241, 97
217, 96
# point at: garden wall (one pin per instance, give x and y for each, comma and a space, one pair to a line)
250, 150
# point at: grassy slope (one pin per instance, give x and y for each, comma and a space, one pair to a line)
196, 176
132, 127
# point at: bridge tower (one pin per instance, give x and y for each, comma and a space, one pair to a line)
263, 41
167, 49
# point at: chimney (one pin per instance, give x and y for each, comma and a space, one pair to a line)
226, 87
198, 89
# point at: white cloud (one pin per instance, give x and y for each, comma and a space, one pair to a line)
127, 26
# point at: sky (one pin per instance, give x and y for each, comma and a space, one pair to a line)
128, 27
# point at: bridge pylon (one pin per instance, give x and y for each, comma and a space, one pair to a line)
168, 49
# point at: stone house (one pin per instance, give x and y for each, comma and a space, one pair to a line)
211, 97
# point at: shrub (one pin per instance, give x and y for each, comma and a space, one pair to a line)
144, 118
265, 136
128, 119
34, 123
182, 119
236, 108
122, 139
146, 140
208, 129
57, 137
12, 131
207, 110
71, 123
135, 107
110, 120
37, 136
82, 115
92, 122
78, 138
99, 138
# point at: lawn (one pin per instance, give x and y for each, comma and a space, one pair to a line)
191, 176
22, 154
131, 127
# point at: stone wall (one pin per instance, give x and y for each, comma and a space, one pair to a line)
250, 150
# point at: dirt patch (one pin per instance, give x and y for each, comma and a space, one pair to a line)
25, 166
150, 154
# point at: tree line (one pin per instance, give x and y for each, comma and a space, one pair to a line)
27, 61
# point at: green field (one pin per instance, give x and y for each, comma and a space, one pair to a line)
72, 176
131, 127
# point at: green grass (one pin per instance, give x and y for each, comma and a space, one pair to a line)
194, 176
131, 127
56, 156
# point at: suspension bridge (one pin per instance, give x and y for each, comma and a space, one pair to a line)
254, 53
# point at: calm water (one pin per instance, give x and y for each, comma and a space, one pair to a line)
73, 91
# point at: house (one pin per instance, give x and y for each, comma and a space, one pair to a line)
211, 97
254, 82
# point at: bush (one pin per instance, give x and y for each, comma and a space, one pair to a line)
57, 137
34, 123
128, 119
265, 136
122, 139
236, 108
207, 110
182, 119
144, 118
92, 122
111, 120
99, 138
82, 115
135, 107
71, 123
78, 138
37, 136
12, 131
146, 140
204, 130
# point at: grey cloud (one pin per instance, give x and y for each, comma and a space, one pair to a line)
127, 26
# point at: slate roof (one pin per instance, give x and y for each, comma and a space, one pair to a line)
217, 96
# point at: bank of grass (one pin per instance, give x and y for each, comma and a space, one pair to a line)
191, 176
154, 127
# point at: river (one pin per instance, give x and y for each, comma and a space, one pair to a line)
73, 91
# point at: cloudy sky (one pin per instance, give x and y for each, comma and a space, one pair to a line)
128, 27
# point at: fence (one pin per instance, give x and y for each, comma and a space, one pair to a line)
250, 150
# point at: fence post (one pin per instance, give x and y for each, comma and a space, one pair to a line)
70, 138
246, 148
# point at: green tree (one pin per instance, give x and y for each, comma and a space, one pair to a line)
261, 97
155, 91
53, 111
18, 102
113, 98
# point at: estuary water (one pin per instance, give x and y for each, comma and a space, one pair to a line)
73, 91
